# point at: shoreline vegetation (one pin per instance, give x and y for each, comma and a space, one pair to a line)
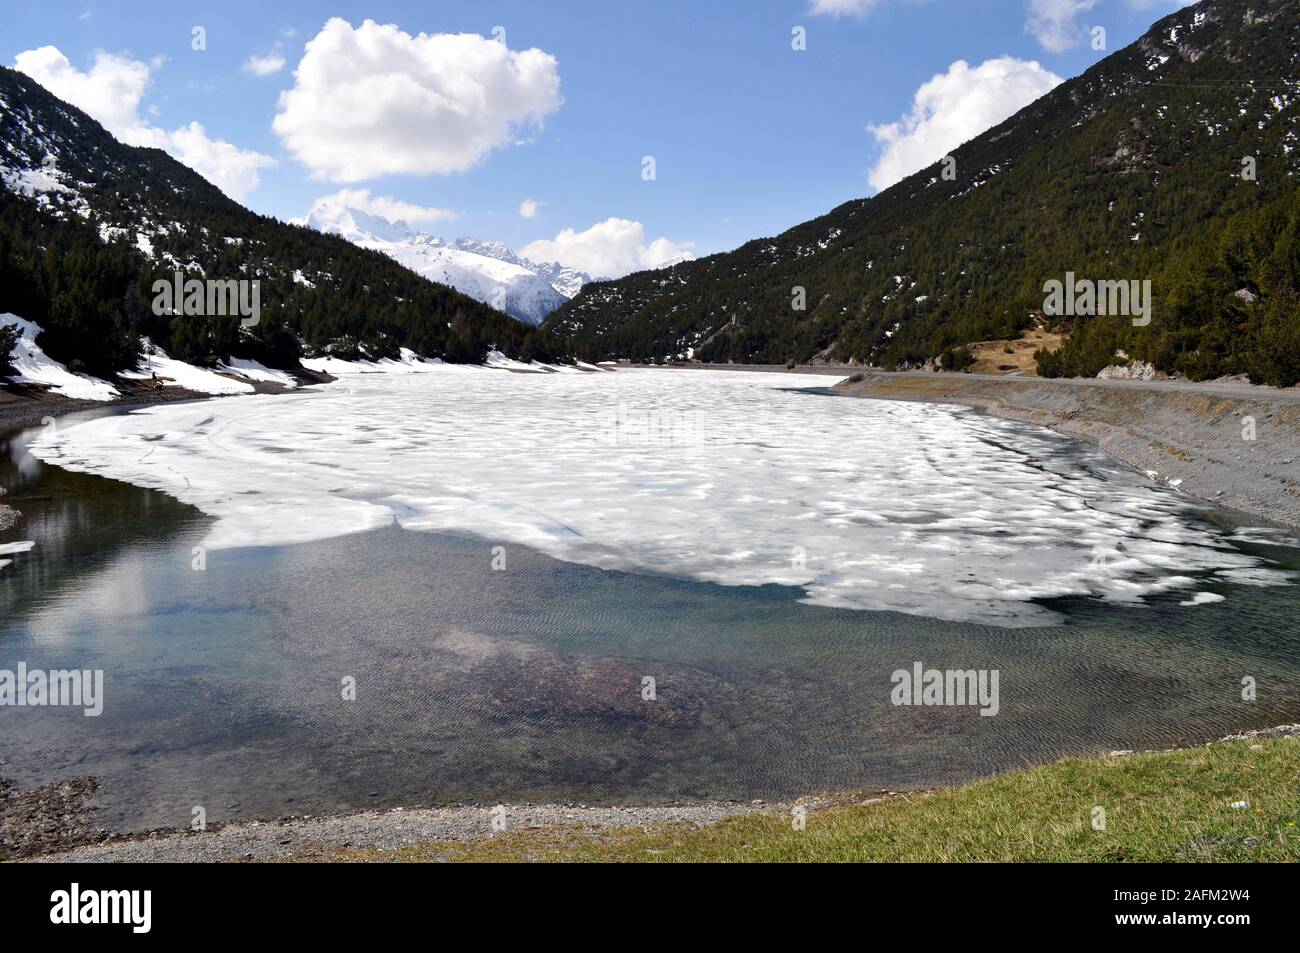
1227, 800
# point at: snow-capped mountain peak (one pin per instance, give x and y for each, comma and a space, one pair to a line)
356, 225
490, 249
487, 270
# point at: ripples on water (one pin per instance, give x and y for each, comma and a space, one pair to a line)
223, 687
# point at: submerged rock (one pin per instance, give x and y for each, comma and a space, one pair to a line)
9, 516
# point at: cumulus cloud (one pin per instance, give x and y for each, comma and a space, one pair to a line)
953, 108
529, 208
609, 249
372, 100
1055, 23
233, 170
266, 65
392, 209
110, 92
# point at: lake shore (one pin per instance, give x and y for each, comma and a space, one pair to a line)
28, 405
1232, 445
25, 406
386, 835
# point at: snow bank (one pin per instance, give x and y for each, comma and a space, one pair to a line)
255, 371
499, 360
1132, 371
34, 366
410, 363
173, 373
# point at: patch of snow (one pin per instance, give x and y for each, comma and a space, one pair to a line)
1132, 371
497, 359
34, 366
31, 183
255, 371
173, 373
410, 363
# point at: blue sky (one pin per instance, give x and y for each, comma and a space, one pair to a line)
749, 135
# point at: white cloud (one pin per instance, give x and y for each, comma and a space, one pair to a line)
953, 108
372, 101
233, 170
392, 209
1055, 23
266, 65
529, 208
841, 8
609, 249
110, 92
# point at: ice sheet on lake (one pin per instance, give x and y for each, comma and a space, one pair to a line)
729, 477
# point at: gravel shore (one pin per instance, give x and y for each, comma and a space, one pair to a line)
308, 838
322, 838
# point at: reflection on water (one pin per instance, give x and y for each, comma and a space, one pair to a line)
224, 688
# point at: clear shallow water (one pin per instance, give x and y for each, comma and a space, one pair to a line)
223, 686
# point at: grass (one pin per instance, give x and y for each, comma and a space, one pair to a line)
1161, 806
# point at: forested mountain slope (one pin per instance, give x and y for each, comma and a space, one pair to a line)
1133, 171
87, 224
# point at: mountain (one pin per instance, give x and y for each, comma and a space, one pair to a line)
87, 225
1133, 170
567, 281
486, 271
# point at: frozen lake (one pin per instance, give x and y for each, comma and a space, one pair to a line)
731, 478
497, 562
